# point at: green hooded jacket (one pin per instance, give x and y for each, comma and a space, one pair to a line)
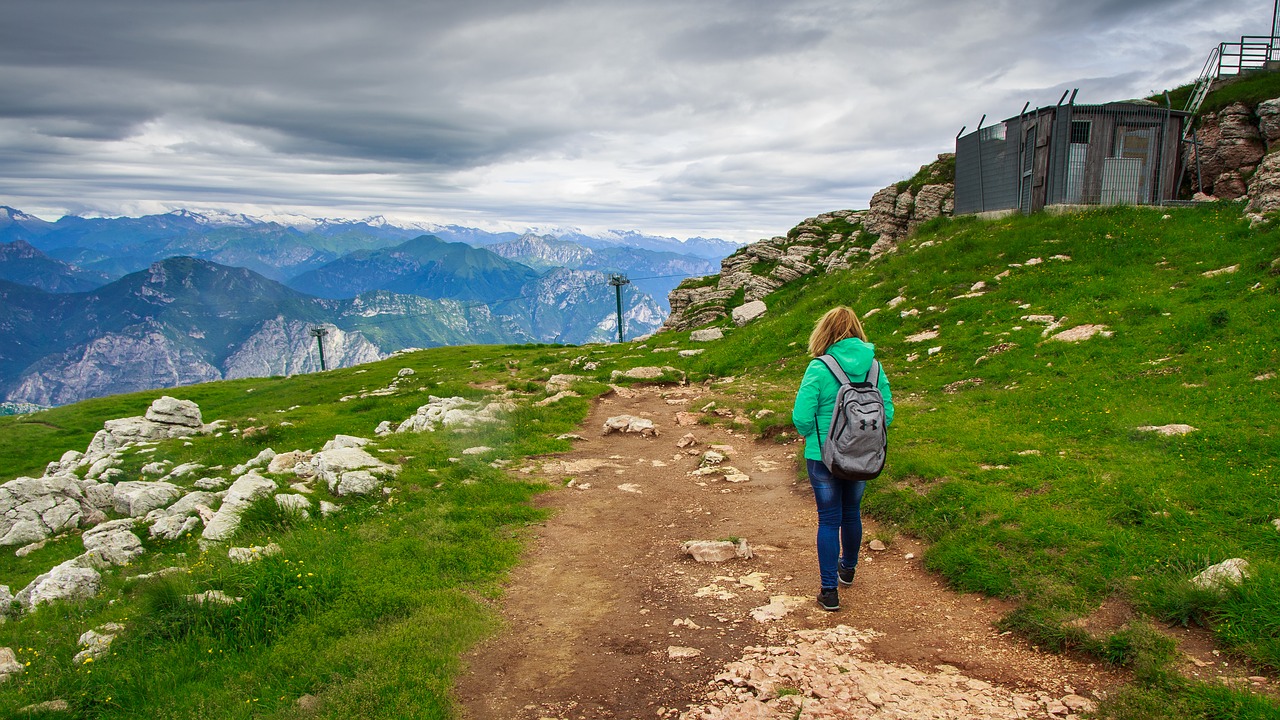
816, 399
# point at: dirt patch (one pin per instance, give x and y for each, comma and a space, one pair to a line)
605, 590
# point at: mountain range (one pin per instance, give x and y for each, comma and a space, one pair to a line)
185, 320
95, 306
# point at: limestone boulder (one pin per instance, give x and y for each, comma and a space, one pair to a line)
171, 411
1225, 574
242, 493
111, 544
355, 482
747, 312
136, 498
9, 665
630, 424
70, 581
32, 509
340, 442
706, 335
558, 383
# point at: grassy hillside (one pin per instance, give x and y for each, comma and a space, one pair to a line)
1016, 457
1019, 457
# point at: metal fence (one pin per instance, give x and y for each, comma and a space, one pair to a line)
1119, 153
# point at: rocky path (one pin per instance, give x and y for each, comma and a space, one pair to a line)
608, 618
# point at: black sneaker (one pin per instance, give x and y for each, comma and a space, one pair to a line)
845, 574
829, 599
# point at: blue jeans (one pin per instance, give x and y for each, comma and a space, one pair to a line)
839, 520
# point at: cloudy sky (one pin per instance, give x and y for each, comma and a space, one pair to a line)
729, 118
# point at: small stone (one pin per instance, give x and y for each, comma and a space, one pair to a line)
1221, 271
706, 335
48, 706
405, 372
9, 665
877, 545
477, 450
676, 652
245, 555
630, 487
687, 441
1169, 430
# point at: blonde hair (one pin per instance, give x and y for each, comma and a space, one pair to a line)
837, 324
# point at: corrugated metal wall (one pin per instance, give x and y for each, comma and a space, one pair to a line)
987, 169
1086, 154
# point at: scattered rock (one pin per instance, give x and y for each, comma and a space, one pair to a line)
706, 335
245, 555
922, 336
406, 372
557, 383
239, 497
32, 509
676, 652
688, 440
1225, 574
48, 706
477, 450
213, 597
95, 644
711, 457
691, 353
745, 313
779, 607
877, 545
9, 665
716, 550
111, 544
957, 386
556, 398
1081, 332
137, 498
355, 482
629, 487
1221, 271
1168, 430
69, 581
327, 508
687, 419
630, 424
295, 504
171, 411
453, 412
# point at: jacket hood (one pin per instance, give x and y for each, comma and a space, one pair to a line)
854, 356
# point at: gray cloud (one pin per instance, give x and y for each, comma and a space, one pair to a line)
729, 117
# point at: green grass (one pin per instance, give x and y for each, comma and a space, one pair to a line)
368, 610
1103, 510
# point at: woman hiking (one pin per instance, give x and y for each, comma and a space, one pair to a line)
838, 333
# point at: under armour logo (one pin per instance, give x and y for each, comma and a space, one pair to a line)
864, 424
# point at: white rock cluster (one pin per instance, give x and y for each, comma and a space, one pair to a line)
450, 412
32, 509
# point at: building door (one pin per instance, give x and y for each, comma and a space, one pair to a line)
1127, 174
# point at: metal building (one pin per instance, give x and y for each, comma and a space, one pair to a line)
1067, 154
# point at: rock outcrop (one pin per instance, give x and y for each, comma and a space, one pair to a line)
821, 244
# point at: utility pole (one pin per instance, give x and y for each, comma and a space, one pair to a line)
319, 333
617, 281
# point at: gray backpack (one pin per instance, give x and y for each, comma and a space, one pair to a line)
856, 441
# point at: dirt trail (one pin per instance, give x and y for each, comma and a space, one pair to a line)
592, 610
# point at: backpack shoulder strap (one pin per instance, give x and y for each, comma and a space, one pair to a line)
873, 373
835, 368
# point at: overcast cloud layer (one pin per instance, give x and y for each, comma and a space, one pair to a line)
716, 118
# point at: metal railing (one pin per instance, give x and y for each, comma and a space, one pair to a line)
1253, 52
